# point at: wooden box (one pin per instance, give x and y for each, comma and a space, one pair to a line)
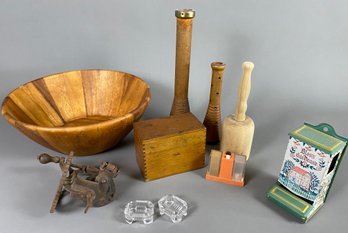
170, 145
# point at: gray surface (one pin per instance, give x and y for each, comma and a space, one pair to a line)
300, 53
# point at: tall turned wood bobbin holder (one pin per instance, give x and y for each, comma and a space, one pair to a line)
184, 20
175, 144
212, 120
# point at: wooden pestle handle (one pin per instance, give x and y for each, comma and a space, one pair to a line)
46, 158
182, 60
244, 91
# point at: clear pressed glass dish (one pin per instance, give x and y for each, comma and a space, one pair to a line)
139, 211
173, 206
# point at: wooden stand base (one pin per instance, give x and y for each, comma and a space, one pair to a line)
224, 180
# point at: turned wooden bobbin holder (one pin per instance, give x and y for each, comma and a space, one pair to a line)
212, 120
182, 60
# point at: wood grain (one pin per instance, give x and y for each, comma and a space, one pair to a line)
182, 66
244, 91
85, 111
67, 92
170, 145
238, 129
212, 120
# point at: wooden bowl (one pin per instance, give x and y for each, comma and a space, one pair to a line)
84, 111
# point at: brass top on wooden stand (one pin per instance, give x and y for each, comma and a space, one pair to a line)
185, 13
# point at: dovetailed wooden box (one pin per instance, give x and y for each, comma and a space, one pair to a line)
170, 145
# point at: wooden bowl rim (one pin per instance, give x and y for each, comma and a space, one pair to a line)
74, 128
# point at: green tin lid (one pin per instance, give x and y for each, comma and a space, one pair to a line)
322, 137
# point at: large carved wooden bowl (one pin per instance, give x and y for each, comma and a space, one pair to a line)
85, 111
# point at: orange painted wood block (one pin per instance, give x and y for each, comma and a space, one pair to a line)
226, 166
226, 171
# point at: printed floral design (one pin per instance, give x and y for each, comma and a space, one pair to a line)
288, 165
314, 183
303, 168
